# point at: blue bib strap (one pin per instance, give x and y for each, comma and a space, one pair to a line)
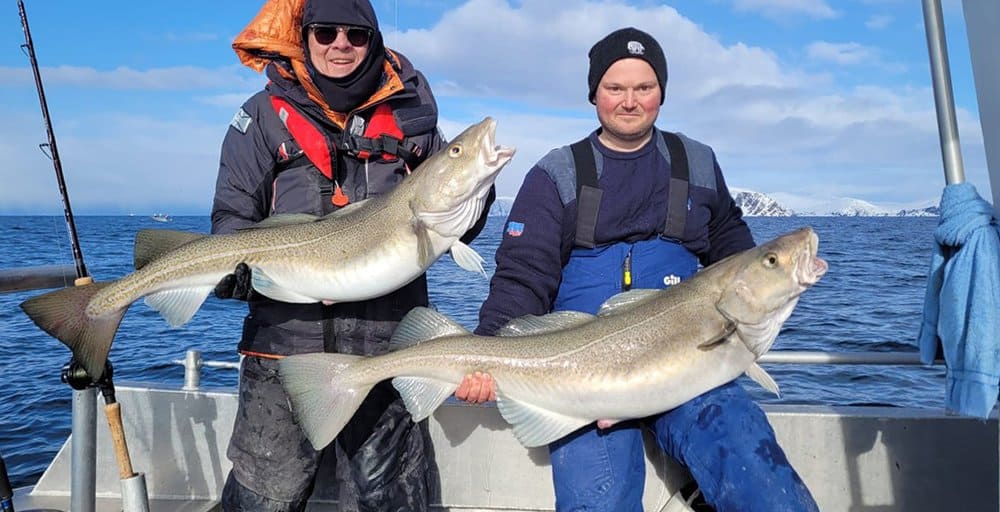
593, 275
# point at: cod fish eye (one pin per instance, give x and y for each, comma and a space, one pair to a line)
455, 150
771, 260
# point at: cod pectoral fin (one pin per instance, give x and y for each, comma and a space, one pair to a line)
467, 258
425, 250
267, 287
760, 376
422, 395
535, 426
726, 329
178, 305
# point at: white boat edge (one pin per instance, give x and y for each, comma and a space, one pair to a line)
851, 457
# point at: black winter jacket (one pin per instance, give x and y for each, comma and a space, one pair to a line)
253, 183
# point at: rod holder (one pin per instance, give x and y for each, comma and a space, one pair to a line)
134, 497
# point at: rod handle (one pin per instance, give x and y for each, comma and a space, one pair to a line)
114, 413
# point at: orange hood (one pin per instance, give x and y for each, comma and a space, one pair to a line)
277, 29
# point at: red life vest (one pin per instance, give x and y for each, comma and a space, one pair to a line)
382, 137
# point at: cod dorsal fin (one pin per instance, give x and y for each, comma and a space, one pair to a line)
626, 300
150, 244
350, 207
284, 219
531, 324
422, 324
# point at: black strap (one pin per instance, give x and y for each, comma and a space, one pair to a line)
410, 152
588, 194
677, 198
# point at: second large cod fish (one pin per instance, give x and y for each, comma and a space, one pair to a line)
646, 352
362, 251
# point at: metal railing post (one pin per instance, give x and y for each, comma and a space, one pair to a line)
83, 479
192, 370
951, 151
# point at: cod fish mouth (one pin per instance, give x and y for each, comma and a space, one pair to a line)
810, 268
495, 154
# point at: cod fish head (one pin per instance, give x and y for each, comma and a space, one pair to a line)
455, 181
766, 285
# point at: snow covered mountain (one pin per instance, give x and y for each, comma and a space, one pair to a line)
756, 204
850, 207
780, 204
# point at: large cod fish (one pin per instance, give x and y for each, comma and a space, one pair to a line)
362, 251
647, 351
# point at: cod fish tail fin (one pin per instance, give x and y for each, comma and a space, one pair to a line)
62, 314
467, 258
323, 398
422, 395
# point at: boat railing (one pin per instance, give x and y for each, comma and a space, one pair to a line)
193, 361
36, 278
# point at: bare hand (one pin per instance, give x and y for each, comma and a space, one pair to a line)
477, 388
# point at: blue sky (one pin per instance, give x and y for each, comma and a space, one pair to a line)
812, 99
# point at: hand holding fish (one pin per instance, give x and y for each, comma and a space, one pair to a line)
477, 388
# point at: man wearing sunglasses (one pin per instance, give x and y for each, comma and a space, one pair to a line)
342, 119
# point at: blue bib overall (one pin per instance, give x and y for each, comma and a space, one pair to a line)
721, 436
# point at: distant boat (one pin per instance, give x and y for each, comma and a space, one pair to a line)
161, 217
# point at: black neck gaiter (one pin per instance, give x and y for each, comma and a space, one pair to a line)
347, 93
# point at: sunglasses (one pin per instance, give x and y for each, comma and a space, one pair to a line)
327, 34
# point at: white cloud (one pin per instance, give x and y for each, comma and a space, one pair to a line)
114, 163
176, 78
878, 22
775, 127
841, 53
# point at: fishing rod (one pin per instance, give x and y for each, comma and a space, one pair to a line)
134, 495
53, 151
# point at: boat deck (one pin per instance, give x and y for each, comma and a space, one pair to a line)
852, 458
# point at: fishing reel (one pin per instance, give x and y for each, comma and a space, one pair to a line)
77, 377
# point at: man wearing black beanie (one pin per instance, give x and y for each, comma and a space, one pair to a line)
631, 206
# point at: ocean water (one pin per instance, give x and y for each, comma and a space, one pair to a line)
870, 300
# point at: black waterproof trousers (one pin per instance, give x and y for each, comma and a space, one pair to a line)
382, 458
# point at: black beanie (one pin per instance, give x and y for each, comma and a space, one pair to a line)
624, 44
